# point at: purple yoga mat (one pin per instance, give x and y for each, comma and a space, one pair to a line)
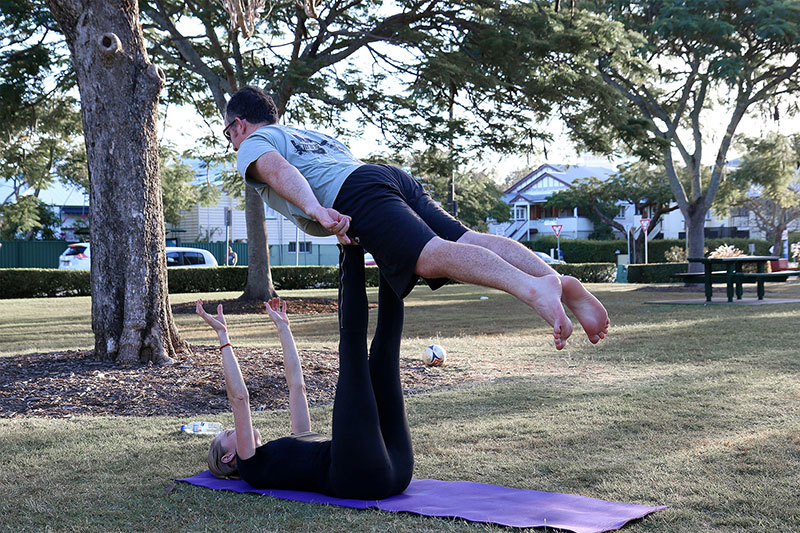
476, 502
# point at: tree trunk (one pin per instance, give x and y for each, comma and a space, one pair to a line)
119, 88
259, 278
695, 231
777, 242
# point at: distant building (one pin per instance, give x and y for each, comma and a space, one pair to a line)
74, 222
530, 219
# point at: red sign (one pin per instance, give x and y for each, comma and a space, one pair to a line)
645, 222
557, 229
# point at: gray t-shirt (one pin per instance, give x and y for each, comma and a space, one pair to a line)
322, 160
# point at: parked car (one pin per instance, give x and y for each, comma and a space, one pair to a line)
77, 257
547, 258
190, 257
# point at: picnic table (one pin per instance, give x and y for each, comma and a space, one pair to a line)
734, 276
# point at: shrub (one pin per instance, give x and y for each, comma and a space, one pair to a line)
45, 282
676, 254
588, 272
655, 272
588, 251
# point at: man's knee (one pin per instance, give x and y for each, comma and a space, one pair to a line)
433, 258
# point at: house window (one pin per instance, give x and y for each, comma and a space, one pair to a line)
519, 212
739, 212
622, 210
305, 247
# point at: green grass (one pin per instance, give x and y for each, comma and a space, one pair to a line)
693, 407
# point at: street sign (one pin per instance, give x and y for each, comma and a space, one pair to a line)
645, 222
557, 229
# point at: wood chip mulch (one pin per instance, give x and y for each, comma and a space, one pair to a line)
297, 306
71, 383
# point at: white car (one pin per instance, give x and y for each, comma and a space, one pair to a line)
77, 257
547, 258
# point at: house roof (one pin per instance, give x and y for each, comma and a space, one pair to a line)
563, 174
74, 210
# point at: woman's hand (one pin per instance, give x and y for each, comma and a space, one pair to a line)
276, 309
216, 322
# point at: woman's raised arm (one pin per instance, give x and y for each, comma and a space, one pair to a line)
234, 384
298, 403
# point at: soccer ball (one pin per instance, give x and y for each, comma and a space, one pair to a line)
433, 355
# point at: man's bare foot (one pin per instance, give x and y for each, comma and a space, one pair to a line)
546, 300
587, 309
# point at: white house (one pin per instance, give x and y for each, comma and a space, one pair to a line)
530, 219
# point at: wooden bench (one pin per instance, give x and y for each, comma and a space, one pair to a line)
717, 276
761, 277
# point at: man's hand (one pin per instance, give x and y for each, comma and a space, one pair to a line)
333, 221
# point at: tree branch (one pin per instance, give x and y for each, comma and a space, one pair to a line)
216, 83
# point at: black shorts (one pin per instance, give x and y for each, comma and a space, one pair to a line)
393, 219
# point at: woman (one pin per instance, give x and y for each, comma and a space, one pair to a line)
369, 454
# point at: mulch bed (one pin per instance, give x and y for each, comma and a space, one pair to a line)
296, 306
71, 383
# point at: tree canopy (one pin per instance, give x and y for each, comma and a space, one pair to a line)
674, 62
765, 183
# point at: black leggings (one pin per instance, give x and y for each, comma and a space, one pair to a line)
371, 455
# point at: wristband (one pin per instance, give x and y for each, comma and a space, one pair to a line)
224, 345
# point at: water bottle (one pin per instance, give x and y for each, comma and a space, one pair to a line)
202, 428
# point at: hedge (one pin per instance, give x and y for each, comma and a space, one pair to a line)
655, 272
588, 272
590, 251
47, 282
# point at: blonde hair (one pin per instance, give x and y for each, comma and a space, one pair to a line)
215, 464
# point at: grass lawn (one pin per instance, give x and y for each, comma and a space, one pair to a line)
693, 407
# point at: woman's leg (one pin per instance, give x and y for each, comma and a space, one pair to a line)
384, 367
360, 465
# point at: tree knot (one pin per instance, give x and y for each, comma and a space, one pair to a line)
109, 44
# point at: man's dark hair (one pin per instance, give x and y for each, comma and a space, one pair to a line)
252, 104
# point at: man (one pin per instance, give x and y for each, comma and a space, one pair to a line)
317, 183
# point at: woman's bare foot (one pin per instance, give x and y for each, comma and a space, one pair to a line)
587, 309
545, 299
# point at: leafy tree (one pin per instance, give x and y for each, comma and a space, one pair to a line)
28, 218
766, 183
33, 147
178, 191
430, 71
119, 89
33, 62
672, 62
637, 184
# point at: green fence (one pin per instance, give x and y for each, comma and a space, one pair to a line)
31, 254
44, 254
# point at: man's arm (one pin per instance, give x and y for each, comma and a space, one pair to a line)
284, 178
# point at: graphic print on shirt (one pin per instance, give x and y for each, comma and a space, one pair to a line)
305, 144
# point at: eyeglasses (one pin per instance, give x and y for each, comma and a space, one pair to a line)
226, 133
